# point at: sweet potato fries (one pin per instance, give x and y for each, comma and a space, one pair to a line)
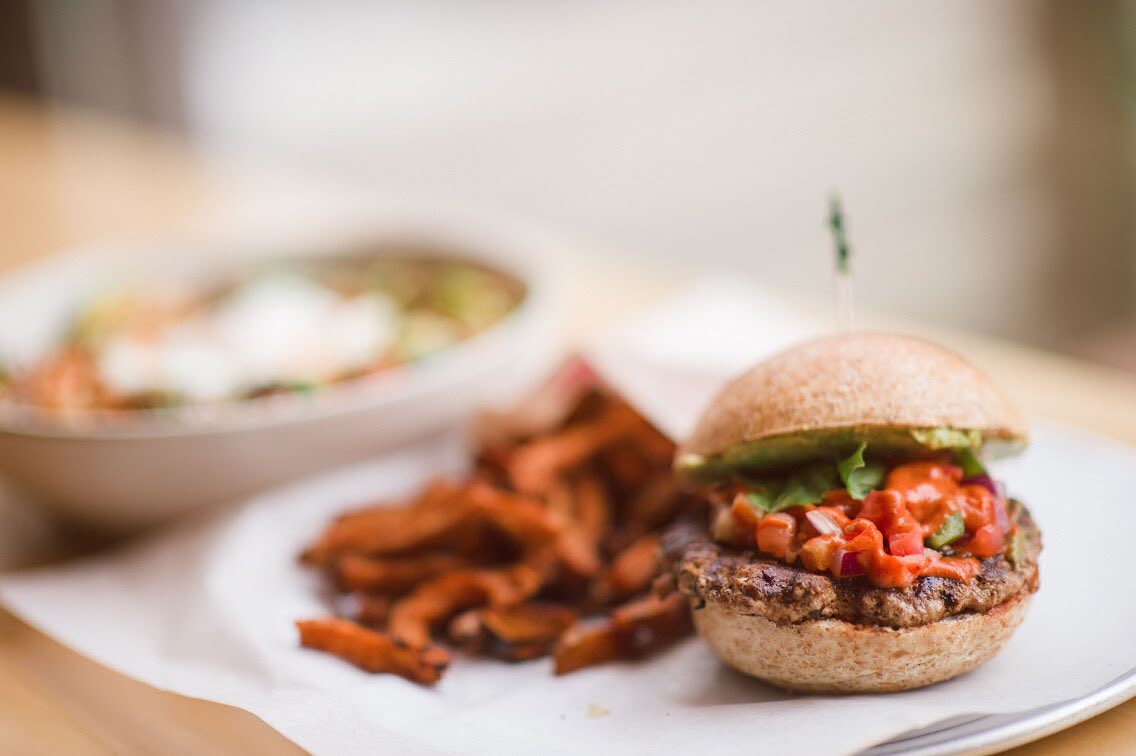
549, 547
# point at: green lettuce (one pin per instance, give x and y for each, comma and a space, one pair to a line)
858, 476
970, 463
807, 486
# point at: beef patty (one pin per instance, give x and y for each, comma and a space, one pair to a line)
751, 584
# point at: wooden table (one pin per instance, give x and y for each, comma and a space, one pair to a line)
68, 177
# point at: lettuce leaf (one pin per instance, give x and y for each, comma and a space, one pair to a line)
858, 476
807, 486
760, 499
970, 463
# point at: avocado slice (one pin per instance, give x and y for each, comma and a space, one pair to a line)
773, 453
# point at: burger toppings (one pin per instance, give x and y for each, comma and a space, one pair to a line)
949, 532
937, 518
858, 476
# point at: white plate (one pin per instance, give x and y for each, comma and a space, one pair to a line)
991, 733
136, 471
207, 612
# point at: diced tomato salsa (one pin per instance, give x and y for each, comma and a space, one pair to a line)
882, 536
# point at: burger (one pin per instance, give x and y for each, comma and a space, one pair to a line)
856, 542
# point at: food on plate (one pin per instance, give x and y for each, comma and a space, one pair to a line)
518, 632
374, 652
290, 327
856, 542
633, 630
550, 546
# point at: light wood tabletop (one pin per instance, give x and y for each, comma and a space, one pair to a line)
69, 177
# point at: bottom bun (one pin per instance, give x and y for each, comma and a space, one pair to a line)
834, 656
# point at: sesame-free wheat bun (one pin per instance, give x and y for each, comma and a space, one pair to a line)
817, 578
834, 656
900, 393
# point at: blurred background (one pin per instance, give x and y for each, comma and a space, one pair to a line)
985, 151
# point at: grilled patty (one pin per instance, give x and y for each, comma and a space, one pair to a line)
751, 584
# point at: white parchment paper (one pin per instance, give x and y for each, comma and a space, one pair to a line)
207, 609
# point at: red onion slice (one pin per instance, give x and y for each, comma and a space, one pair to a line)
985, 481
847, 564
822, 522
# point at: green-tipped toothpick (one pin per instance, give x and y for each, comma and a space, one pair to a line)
843, 276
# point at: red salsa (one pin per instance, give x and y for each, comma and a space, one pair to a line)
888, 537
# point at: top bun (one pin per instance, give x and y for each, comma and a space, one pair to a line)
833, 392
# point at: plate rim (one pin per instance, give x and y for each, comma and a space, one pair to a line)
990, 733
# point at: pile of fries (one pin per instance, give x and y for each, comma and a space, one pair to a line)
550, 547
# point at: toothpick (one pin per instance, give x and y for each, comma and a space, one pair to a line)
843, 277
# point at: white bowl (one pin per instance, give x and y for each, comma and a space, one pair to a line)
126, 470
